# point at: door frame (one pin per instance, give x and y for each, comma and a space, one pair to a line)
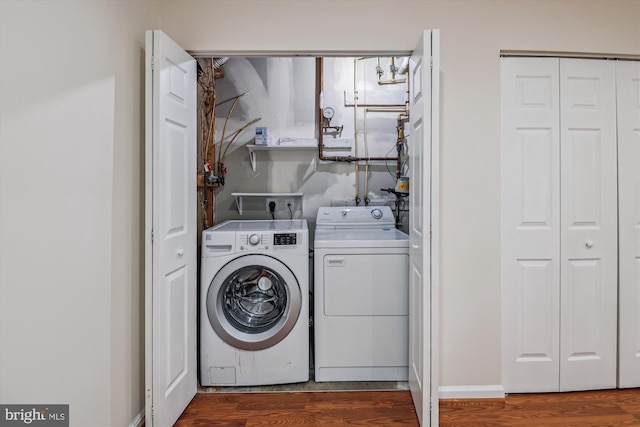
433, 337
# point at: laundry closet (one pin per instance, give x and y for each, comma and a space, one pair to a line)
281, 138
570, 215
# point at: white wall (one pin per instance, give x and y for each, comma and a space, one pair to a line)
71, 115
472, 34
71, 256
282, 93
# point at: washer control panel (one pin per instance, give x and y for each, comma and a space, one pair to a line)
285, 239
253, 241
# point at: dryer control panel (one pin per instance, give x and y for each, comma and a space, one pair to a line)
339, 217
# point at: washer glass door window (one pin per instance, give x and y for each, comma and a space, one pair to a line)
253, 302
254, 298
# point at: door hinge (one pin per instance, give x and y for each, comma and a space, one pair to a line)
153, 62
151, 236
431, 62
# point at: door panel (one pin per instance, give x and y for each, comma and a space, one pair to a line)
176, 298
423, 225
588, 225
171, 257
418, 138
628, 91
535, 296
530, 218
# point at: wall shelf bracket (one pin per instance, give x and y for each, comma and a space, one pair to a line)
239, 197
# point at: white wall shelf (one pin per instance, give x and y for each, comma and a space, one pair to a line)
253, 148
327, 148
240, 196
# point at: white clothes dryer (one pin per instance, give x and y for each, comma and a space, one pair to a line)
361, 295
254, 296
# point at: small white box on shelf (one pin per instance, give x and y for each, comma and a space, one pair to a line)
262, 136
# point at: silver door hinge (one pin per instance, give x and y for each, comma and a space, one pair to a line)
431, 62
153, 62
151, 236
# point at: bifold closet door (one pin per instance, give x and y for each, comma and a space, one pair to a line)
530, 223
558, 224
589, 236
628, 88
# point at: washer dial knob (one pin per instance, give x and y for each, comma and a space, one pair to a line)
376, 213
254, 239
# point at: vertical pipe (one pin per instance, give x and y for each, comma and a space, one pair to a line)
355, 126
319, 92
366, 162
400, 129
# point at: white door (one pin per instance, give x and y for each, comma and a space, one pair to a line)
170, 227
423, 225
628, 88
589, 220
559, 219
530, 221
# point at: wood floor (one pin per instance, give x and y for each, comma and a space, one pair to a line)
580, 409
394, 408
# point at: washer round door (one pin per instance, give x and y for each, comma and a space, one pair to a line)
253, 302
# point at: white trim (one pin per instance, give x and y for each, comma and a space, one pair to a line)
554, 54
138, 421
299, 53
435, 228
472, 392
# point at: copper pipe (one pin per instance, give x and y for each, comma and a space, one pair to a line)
321, 156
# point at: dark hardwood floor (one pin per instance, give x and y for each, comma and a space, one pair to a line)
394, 408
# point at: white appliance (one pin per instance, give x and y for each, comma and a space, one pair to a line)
254, 303
361, 295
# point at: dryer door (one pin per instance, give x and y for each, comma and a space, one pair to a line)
253, 302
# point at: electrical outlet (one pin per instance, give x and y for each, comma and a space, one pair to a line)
274, 200
289, 204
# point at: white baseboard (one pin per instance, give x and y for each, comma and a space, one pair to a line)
138, 421
471, 392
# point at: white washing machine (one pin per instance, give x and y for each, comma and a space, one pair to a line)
254, 297
361, 295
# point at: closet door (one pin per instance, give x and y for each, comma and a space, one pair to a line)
559, 224
530, 223
588, 241
628, 88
